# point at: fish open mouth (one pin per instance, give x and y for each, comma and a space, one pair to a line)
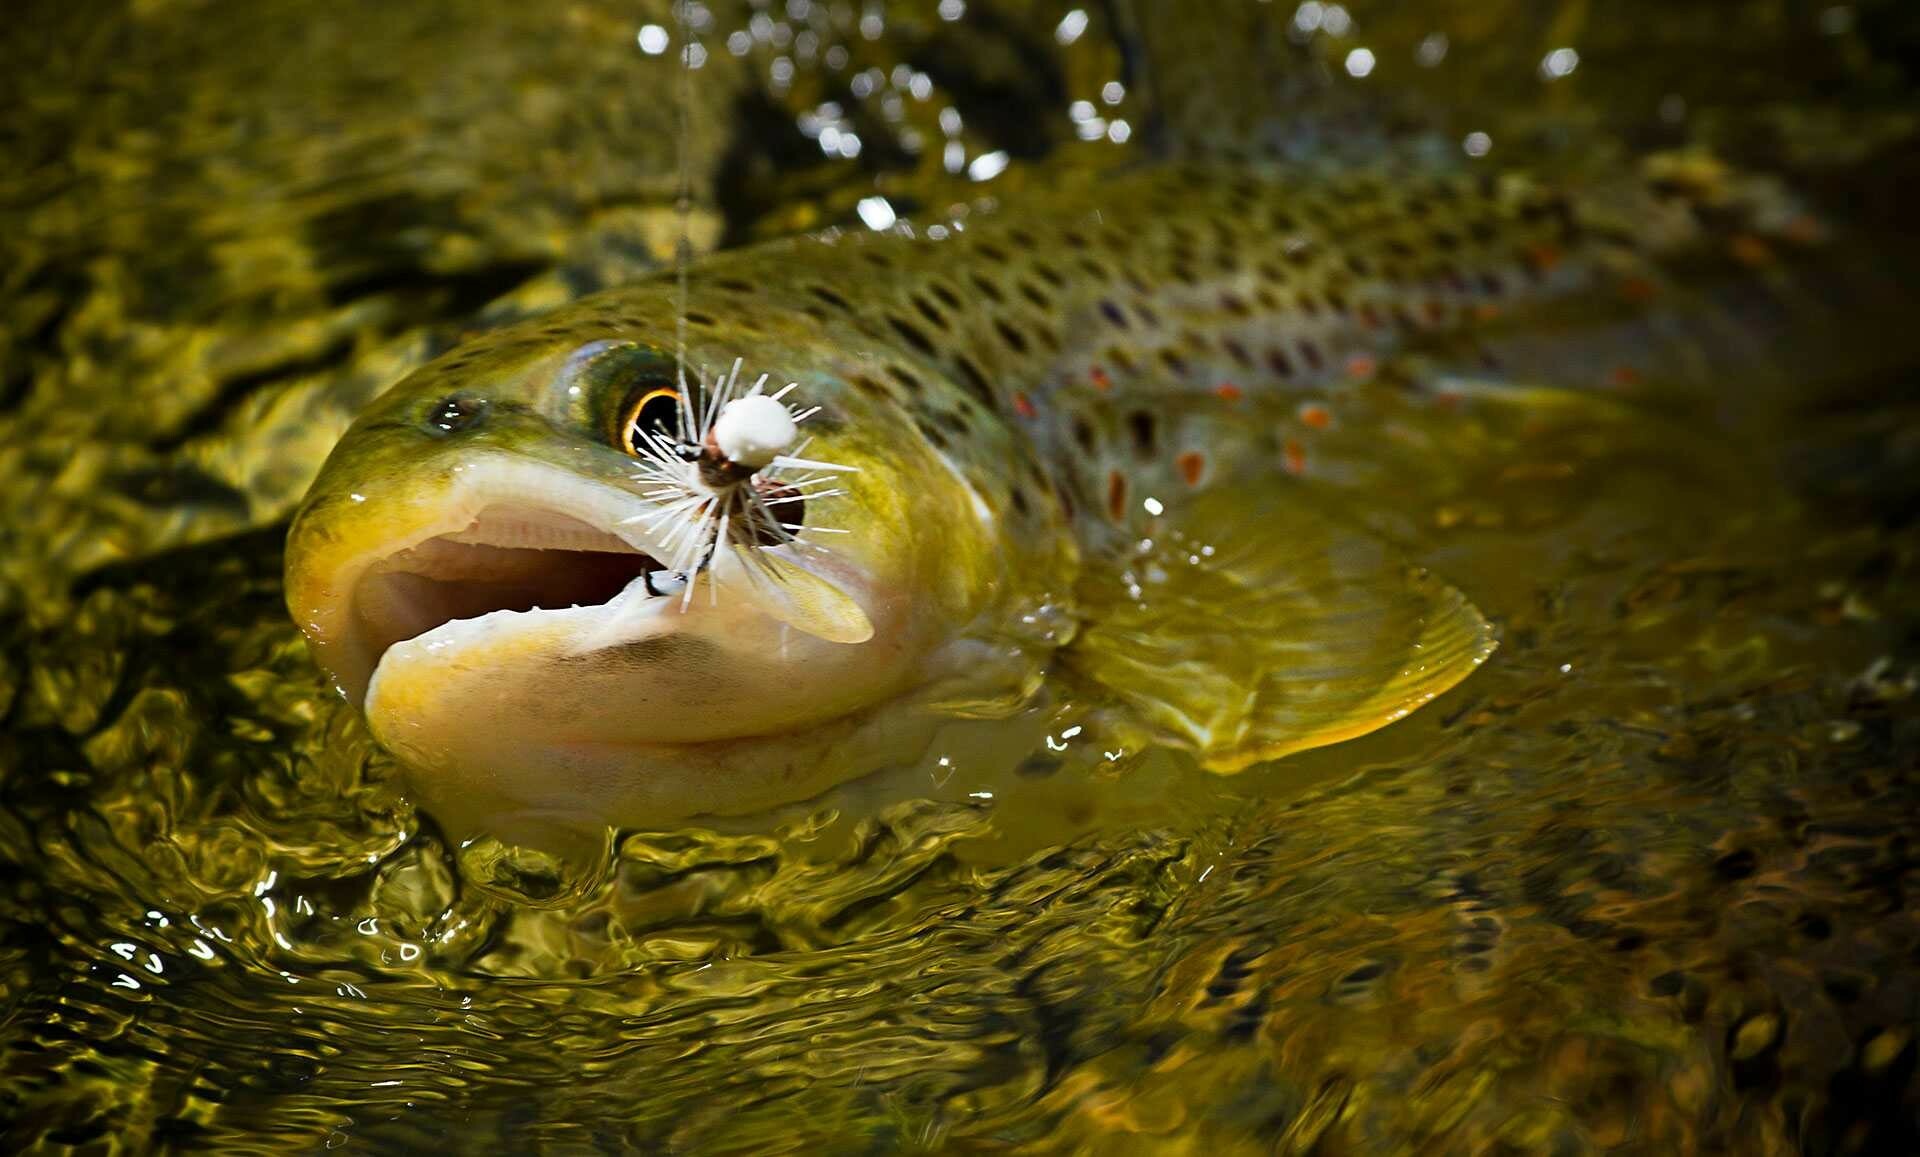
521, 562
514, 558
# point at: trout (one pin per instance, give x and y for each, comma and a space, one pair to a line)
544, 582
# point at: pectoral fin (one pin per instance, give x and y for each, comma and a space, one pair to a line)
1295, 631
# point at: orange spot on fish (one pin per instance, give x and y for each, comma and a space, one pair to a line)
1448, 400
1361, 367
1192, 465
1227, 392
1023, 405
1116, 494
1543, 257
1638, 290
1623, 376
1750, 250
1294, 456
1100, 380
1486, 311
1315, 416
1805, 229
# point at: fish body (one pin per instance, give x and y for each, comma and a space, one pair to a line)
1018, 399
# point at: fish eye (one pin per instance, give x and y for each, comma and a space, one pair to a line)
653, 412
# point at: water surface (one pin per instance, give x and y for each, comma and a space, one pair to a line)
1640, 883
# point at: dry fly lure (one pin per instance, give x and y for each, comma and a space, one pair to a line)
724, 480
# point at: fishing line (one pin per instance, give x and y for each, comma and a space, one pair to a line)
683, 196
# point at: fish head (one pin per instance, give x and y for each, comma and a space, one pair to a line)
493, 566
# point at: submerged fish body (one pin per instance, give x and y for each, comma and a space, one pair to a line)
1018, 403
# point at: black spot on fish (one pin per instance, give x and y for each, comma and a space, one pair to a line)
1035, 294
877, 259
1082, 434
910, 334
1018, 498
1172, 359
1074, 238
1113, 313
868, 386
946, 293
991, 252
1491, 285
932, 433
988, 289
1022, 238
974, 380
907, 380
1145, 433
733, 285
1013, 338
1310, 353
1049, 274
1238, 352
830, 297
929, 311
700, 319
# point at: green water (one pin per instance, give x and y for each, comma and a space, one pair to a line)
1640, 884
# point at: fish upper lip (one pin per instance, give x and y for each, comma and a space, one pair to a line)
508, 536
